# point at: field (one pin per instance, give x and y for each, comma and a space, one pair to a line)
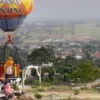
82, 31
63, 93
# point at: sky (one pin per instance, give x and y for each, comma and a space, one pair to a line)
64, 10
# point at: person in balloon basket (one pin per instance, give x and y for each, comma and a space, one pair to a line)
9, 67
8, 90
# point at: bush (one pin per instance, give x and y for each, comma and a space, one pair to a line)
76, 92
69, 98
67, 77
41, 89
38, 96
36, 83
46, 84
29, 81
51, 73
15, 87
46, 79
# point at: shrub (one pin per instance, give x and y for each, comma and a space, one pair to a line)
68, 98
67, 77
41, 89
15, 87
29, 81
38, 96
46, 84
76, 92
46, 79
36, 83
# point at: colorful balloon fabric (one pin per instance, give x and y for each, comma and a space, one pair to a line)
13, 12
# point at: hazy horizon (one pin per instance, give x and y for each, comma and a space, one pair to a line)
64, 10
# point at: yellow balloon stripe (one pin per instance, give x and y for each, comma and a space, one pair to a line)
27, 4
13, 6
1, 5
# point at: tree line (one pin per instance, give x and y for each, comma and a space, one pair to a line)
71, 69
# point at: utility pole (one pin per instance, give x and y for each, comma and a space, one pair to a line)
73, 32
61, 42
73, 29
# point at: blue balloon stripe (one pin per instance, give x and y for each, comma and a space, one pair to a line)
20, 21
2, 24
10, 24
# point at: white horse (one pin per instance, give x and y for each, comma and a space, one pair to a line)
27, 71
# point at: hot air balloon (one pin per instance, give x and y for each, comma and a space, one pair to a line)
13, 13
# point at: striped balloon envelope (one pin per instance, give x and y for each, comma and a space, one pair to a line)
13, 13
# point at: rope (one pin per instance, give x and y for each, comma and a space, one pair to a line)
5, 34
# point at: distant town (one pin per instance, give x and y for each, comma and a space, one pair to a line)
66, 38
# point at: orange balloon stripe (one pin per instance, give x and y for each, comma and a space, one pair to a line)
10, 17
30, 9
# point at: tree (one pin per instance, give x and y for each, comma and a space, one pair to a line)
97, 62
41, 55
70, 64
51, 73
85, 72
67, 77
66, 65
